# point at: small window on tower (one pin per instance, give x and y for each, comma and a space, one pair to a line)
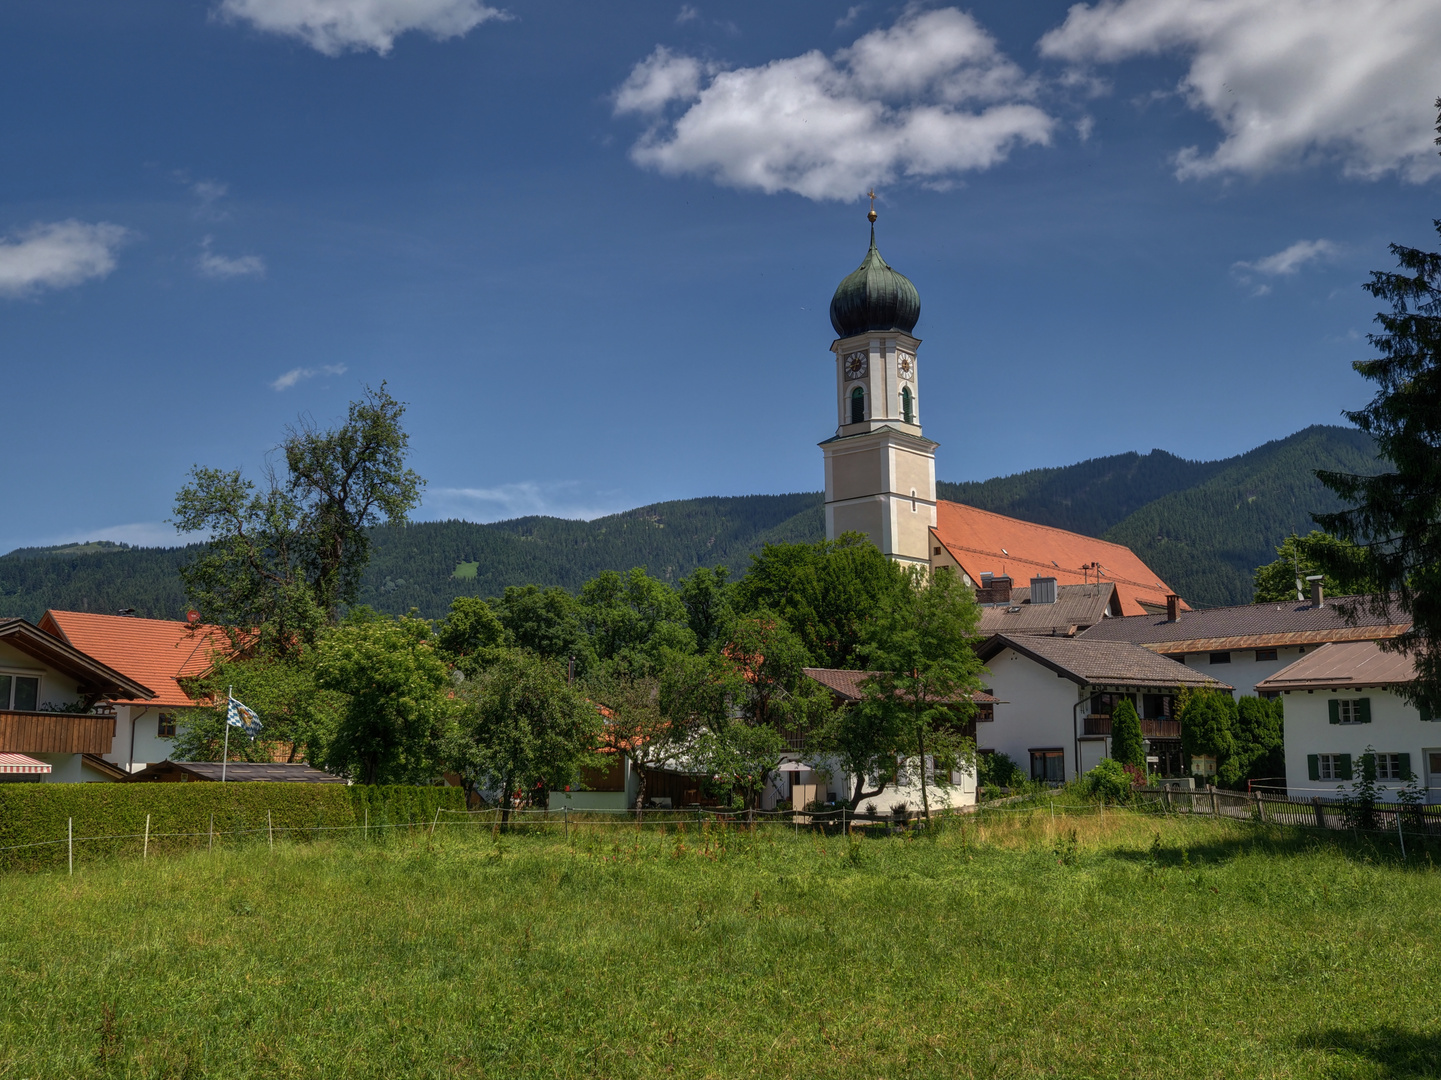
858, 406
907, 412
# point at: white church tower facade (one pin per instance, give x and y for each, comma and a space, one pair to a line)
880, 468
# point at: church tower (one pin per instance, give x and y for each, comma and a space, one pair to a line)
880, 469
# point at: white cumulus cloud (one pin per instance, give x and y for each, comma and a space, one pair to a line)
295, 375
926, 99
1287, 81
57, 255
338, 26
212, 265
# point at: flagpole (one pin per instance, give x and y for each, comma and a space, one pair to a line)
225, 754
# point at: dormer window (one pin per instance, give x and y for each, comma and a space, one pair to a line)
908, 412
858, 406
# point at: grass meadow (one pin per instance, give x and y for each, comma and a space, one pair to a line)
1123, 946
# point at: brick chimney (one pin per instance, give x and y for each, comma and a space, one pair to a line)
995, 589
1173, 608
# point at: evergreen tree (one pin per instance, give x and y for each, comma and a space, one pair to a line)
1299, 557
1207, 719
1397, 515
1126, 745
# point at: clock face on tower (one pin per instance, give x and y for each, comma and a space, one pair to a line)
856, 364
906, 365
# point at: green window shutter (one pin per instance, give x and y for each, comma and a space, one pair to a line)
1313, 766
1363, 710
1368, 766
1405, 766
1333, 710
1344, 766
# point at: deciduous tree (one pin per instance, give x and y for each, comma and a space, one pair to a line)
924, 668
396, 707
1298, 557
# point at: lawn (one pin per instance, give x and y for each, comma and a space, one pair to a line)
1129, 946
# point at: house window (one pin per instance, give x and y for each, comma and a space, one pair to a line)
985, 713
166, 728
1105, 704
1220, 658
1333, 768
1390, 767
1048, 765
1265, 654
19, 692
1349, 710
858, 406
907, 412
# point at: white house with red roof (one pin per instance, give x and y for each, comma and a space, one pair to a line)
55, 724
160, 653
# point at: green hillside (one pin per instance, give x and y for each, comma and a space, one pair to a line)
1202, 525
1206, 541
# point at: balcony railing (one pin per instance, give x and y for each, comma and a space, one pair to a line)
1150, 729
56, 733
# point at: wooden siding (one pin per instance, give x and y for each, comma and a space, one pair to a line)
55, 733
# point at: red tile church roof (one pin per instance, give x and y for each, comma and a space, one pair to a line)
983, 542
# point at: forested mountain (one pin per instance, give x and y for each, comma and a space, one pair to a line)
1204, 526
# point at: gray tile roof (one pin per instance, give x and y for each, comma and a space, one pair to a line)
241, 771
1250, 626
1101, 663
1351, 664
1076, 607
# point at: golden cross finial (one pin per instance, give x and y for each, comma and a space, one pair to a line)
872, 196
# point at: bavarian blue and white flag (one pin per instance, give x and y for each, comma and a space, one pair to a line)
243, 716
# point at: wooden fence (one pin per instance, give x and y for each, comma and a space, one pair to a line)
1316, 812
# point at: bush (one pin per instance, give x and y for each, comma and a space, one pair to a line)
999, 770
180, 814
1108, 780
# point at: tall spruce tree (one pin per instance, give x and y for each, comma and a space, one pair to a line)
1397, 515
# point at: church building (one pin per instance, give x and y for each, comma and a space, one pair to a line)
880, 469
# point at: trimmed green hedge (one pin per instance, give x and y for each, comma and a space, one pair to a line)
110, 818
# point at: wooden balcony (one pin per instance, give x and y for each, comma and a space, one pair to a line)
1150, 729
56, 733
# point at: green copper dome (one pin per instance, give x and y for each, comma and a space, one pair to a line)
874, 297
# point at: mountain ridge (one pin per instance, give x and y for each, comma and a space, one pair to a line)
1203, 526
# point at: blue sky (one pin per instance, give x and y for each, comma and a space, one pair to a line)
593, 245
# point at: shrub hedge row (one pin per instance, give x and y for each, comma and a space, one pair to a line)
110, 818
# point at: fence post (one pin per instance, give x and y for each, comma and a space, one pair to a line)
70, 841
1400, 833
366, 834
1215, 808
843, 820
435, 822
270, 829
567, 824
1166, 790
1260, 809
211, 845
1320, 817
1103, 806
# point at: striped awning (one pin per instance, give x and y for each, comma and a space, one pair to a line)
19, 763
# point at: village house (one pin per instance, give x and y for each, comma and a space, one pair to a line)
1341, 703
55, 725
1245, 644
161, 653
1054, 697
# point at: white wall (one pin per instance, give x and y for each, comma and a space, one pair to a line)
1395, 728
149, 746
55, 689
1036, 710
961, 790
1245, 671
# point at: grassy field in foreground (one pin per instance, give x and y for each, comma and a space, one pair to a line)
1132, 946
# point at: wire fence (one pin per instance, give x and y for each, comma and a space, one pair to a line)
1332, 814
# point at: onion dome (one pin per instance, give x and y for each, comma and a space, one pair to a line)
874, 297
